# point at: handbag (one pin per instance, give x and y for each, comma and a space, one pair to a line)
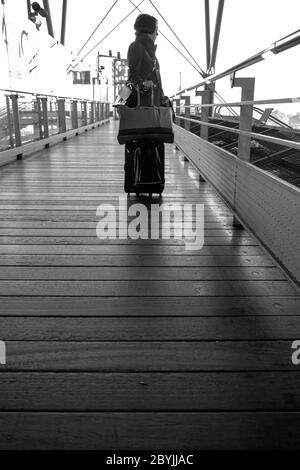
145, 122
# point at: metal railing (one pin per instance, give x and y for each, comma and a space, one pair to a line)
28, 118
254, 135
267, 205
243, 123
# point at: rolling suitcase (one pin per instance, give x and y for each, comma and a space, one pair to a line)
144, 167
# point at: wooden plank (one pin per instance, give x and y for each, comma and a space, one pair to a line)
75, 196
88, 233
48, 224
147, 288
150, 328
83, 207
60, 206
198, 391
67, 240
131, 260
89, 205
144, 431
88, 192
147, 273
139, 249
142, 356
88, 216
15, 195
145, 306
209, 215
55, 191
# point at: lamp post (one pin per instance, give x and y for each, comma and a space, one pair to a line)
118, 73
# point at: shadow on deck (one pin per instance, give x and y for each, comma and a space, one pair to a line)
136, 344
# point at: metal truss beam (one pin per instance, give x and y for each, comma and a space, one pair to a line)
48, 18
207, 32
63, 21
216, 34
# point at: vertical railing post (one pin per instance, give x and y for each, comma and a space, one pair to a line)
45, 117
187, 114
205, 95
176, 103
74, 114
16, 121
61, 115
246, 113
177, 109
9, 122
98, 111
93, 111
40, 116
84, 113
210, 88
89, 107
88, 112
205, 98
187, 111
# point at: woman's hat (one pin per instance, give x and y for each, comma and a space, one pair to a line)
145, 24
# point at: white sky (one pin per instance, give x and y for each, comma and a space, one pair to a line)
248, 26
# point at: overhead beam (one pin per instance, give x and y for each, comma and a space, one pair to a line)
48, 18
279, 46
216, 34
28, 7
63, 21
207, 33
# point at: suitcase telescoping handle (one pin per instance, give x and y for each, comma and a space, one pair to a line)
139, 96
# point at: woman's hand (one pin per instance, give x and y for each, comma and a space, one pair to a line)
165, 101
148, 84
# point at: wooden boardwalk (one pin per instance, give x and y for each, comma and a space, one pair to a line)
126, 344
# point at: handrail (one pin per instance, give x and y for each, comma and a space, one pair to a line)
247, 103
7, 90
274, 140
48, 123
291, 100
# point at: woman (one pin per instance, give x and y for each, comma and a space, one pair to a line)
143, 64
144, 74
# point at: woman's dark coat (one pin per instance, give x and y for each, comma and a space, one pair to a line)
143, 65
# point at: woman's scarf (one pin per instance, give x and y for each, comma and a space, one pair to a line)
147, 43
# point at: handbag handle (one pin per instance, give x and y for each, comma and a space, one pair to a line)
139, 96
